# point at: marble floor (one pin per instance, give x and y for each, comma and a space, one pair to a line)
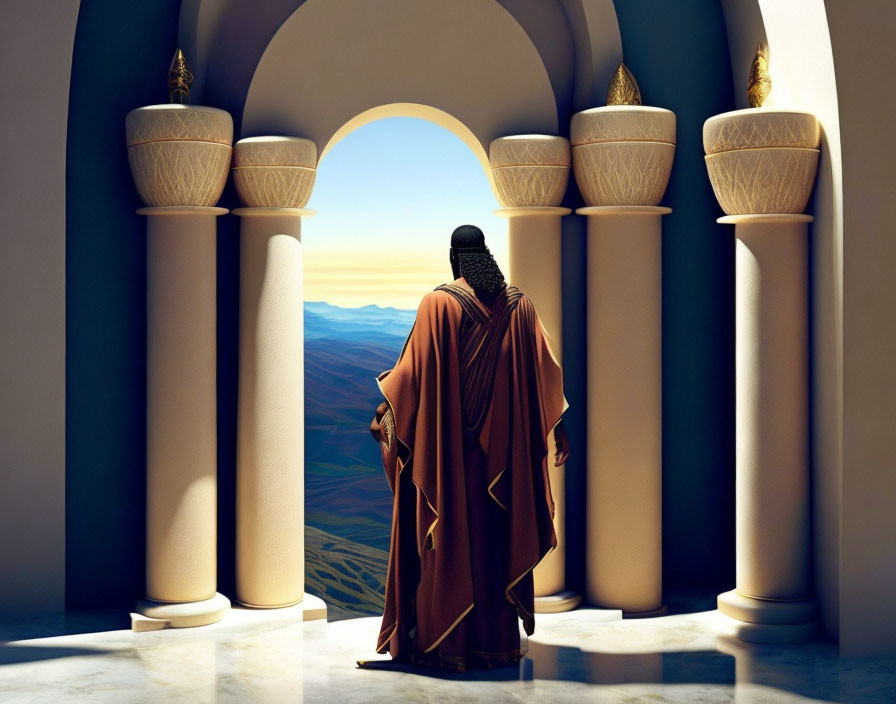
587, 655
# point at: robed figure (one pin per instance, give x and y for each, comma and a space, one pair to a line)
463, 432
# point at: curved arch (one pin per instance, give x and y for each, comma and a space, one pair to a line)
578, 41
470, 59
423, 112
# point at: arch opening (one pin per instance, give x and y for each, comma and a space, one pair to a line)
418, 111
378, 242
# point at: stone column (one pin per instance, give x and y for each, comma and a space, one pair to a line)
531, 173
772, 440
179, 156
762, 163
624, 484
274, 177
270, 517
622, 156
181, 420
535, 267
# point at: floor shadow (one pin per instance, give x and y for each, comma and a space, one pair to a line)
690, 601
64, 624
506, 673
552, 662
813, 670
13, 654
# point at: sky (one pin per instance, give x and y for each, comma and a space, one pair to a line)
387, 198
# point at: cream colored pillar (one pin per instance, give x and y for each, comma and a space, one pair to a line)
762, 164
179, 157
531, 173
624, 485
270, 509
622, 156
275, 176
181, 420
535, 267
771, 600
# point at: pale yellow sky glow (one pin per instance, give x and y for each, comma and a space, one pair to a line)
358, 278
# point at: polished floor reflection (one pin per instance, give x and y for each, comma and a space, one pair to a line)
270, 656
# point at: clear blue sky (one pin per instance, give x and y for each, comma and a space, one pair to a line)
387, 197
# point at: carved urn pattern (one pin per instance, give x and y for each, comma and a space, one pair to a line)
530, 169
623, 154
274, 171
762, 160
179, 154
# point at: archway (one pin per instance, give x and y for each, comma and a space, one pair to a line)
478, 67
376, 245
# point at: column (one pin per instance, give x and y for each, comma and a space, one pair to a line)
624, 488
179, 157
761, 164
181, 416
274, 177
270, 512
771, 600
534, 234
531, 174
622, 156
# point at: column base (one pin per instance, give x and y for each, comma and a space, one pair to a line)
557, 603
313, 607
770, 634
152, 615
614, 605
770, 620
659, 611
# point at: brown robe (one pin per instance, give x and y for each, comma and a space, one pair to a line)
464, 427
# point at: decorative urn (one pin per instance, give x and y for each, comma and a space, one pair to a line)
274, 171
622, 153
761, 160
179, 154
530, 169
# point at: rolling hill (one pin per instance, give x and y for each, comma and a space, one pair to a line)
348, 504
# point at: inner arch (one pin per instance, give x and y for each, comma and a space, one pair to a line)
423, 112
331, 63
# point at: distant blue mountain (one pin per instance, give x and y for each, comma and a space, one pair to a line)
369, 323
347, 496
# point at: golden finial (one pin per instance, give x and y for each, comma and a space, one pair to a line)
759, 84
180, 78
623, 88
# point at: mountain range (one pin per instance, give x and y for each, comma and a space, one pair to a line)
348, 503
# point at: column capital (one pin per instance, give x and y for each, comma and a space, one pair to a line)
182, 210
273, 211
540, 210
623, 210
764, 218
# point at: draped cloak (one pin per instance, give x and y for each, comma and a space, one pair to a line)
468, 374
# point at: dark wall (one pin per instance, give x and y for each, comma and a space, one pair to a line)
121, 56
678, 52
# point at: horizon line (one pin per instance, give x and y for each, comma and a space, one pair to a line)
366, 305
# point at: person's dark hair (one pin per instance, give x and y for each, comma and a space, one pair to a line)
471, 259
